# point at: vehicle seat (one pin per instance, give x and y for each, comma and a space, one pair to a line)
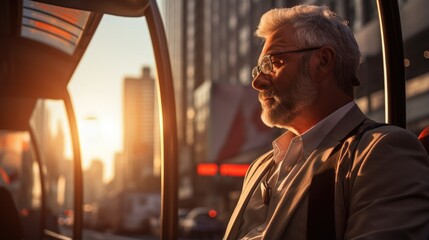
10, 223
424, 138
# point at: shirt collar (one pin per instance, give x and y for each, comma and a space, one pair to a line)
313, 136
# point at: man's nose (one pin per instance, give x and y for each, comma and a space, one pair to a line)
260, 82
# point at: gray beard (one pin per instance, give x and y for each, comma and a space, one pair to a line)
291, 103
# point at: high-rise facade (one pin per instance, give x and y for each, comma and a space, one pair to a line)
139, 131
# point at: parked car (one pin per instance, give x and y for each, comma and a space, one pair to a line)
201, 222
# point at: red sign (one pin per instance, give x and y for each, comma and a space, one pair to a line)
207, 169
232, 170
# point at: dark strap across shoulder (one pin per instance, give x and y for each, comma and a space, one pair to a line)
321, 203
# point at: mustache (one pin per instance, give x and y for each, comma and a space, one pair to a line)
266, 94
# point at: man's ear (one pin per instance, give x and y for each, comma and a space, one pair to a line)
325, 61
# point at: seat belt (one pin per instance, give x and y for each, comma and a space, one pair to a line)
321, 202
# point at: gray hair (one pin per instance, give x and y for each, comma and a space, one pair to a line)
318, 26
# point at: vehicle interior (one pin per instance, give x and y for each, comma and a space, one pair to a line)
41, 44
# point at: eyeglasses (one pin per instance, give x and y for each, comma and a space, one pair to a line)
266, 65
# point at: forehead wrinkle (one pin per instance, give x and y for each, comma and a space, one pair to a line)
280, 40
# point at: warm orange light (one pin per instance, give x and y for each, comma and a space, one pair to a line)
207, 169
234, 170
70, 15
54, 30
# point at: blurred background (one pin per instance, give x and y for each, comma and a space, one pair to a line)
114, 93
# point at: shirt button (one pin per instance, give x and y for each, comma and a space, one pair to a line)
260, 229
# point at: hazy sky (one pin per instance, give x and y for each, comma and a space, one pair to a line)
119, 48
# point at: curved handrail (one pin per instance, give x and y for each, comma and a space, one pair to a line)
78, 176
169, 165
393, 57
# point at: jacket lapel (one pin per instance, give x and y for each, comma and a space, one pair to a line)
297, 188
252, 180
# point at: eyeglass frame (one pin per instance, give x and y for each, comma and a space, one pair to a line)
258, 69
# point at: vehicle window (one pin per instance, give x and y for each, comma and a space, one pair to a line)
115, 97
52, 136
415, 33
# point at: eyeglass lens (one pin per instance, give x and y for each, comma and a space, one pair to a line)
265, 66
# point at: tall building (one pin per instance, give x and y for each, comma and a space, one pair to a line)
139, 131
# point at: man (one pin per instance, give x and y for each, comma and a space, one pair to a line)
305, 76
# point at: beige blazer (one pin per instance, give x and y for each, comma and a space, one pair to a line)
386, 196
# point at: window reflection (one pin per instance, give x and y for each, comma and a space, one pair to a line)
52, 136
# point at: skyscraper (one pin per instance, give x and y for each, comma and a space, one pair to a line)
139, 117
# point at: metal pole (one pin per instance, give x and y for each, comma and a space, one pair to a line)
169, 165
393, 62
78, 178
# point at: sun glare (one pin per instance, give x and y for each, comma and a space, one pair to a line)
99, 138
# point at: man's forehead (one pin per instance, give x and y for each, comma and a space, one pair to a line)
286, 29
281, 39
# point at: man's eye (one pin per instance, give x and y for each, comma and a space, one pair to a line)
277, 63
